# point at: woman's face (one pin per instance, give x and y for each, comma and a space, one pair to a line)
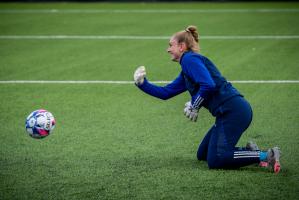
175, 49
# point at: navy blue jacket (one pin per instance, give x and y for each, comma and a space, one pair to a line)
201, 78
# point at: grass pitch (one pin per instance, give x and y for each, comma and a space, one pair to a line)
114, 142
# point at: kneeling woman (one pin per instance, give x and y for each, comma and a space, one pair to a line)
209, 89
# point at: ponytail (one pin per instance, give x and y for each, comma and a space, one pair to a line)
190, 37
193, 31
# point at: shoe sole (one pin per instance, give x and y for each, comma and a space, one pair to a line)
276, 167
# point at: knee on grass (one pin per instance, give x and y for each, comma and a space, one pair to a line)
216, 162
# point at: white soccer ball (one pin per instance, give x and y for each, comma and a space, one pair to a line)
40, 123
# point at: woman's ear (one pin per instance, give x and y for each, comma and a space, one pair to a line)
183, 47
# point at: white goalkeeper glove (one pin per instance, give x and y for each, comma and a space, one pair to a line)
139, 75
190, 112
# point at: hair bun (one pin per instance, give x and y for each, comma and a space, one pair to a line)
193, 30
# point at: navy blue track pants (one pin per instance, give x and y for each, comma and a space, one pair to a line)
218, 147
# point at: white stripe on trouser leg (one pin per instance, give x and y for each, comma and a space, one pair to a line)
246, 154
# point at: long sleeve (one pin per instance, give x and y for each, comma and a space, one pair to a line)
172, 89
195, 69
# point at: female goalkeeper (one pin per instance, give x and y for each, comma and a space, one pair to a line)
209, 89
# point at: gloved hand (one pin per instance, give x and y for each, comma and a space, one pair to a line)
190, 112
139, 75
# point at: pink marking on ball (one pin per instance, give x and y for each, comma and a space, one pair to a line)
43, 132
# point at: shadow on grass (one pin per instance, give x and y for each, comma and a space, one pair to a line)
187, 164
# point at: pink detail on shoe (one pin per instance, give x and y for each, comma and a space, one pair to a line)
263, 164
276, 167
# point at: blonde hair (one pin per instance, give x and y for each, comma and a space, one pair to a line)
190, 37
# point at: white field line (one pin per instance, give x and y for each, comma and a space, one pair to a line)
138, 11
126, 37
132, 82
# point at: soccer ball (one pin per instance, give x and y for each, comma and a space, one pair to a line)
40, 123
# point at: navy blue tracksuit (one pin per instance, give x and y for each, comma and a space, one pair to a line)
208, 88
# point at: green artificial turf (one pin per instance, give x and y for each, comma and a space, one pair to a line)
112, 141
